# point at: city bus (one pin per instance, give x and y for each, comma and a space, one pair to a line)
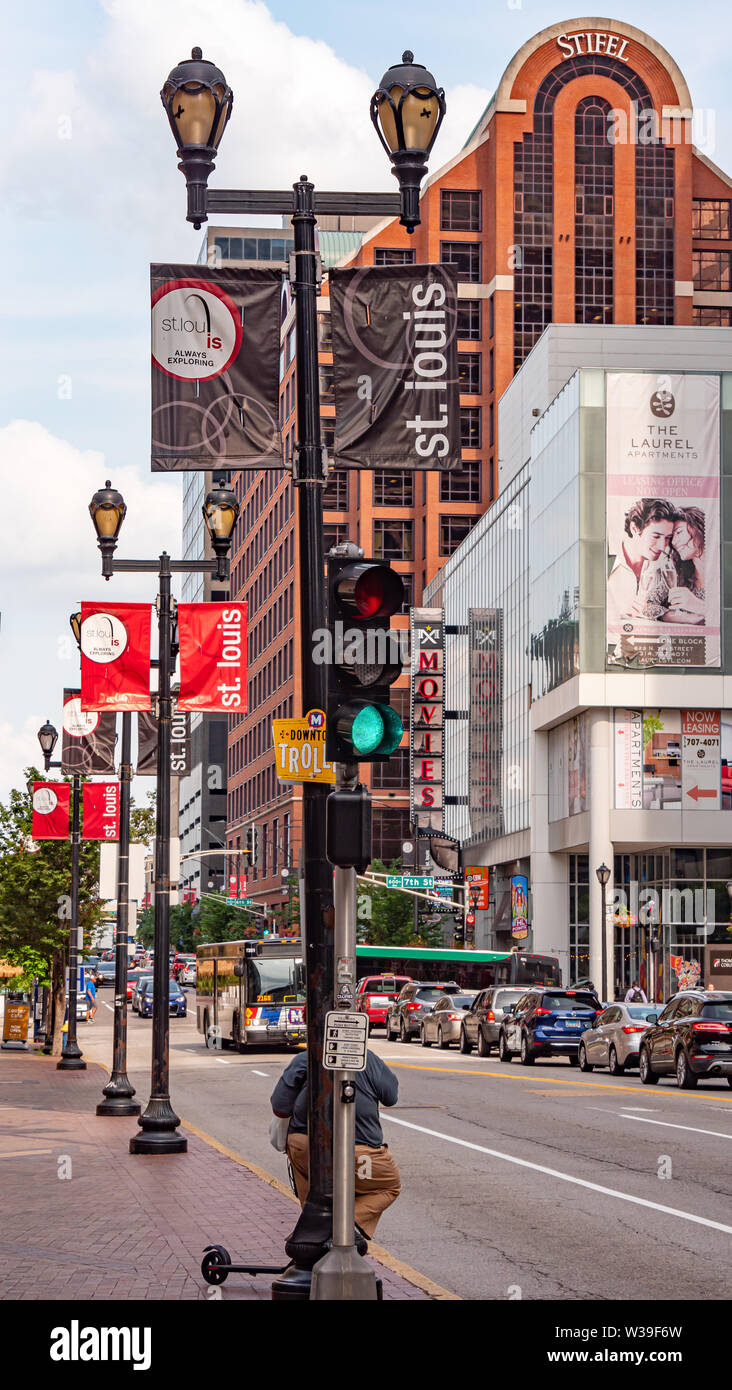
250, 993
469, 969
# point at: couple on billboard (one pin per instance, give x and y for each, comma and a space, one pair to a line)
659, 570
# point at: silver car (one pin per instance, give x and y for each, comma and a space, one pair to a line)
614, 1039
442, 1025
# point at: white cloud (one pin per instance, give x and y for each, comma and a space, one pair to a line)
18, 750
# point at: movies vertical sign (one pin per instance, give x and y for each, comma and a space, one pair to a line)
427, 724
485, 739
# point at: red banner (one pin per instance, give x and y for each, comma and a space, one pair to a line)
100, 802
237, 886
51, 802
115, 656
213, 657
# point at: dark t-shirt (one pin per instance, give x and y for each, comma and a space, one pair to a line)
377, 1084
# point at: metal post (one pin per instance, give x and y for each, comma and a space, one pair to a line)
603, 978
309, 1238
159, 1122
119, 1090
71, 1058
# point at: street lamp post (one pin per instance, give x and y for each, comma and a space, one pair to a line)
159, 1123
407, 110
603, 878
71, 1058
119, 1090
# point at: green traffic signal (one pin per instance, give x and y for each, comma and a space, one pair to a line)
369, 729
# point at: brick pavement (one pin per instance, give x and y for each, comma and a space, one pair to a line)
124, 1226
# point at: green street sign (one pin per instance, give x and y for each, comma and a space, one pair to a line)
240, 902
417, 882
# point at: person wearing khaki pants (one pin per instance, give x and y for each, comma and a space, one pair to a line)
377, 1177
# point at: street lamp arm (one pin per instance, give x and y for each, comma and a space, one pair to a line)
257, 202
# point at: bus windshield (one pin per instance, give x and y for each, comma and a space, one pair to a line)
275, 980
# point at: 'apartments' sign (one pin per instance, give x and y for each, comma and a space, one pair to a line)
571, 45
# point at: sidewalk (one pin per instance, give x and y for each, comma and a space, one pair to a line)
85, 1219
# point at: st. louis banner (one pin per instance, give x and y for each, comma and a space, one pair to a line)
180, 744
663, 463
115, 656
213, 657
395, 367
88, 737
100, 810
215, 368
51, 801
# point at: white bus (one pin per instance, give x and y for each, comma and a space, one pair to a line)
250, 993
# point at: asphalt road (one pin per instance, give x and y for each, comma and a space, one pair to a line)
534, 1183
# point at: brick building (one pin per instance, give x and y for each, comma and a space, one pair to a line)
578, 198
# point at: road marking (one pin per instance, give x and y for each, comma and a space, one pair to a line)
556, 1081
565, 1177
223, 1062
108, 1006
691, 1129
25, 1153
259, 1073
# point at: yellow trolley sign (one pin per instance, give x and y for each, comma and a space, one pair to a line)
299, 746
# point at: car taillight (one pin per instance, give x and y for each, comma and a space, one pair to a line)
634, 1027
413, 1006
453, 1017
710, 1027
542, 1011
490, 1016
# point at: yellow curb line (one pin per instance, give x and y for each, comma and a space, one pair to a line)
552, 1081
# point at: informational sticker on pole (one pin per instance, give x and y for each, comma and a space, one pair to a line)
395, 367
299, 746
345, 1041
215, 367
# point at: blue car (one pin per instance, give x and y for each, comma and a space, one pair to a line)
145, 999
547, 1023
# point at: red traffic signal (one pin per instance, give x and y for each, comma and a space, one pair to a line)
369, 590
470, 919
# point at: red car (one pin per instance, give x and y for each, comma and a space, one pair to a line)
374, 994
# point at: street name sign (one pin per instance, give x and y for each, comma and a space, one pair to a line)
416, 881
345, 1041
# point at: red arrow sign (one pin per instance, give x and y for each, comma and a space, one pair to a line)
696, 792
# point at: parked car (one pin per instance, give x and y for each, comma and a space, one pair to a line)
482, 1022
404, 1016
692, 1038
145, 999
180, 962
614, 1039
132, 978
105, 973
187, 975
442, 1024
546, 1023
144, 975
374, 994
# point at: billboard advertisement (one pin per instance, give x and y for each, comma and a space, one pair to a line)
519, 907
215, 367
671, 760
663, 532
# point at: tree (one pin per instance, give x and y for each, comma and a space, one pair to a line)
142, 821
214, 920
35, 896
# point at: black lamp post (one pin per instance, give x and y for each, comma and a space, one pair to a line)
407, 111
408, 150
603, 878
159, 1123
71, 1058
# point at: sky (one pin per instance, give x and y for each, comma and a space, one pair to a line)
91, 195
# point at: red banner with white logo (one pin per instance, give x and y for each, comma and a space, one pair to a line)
213, 657
100, 803
51, 802
115, 656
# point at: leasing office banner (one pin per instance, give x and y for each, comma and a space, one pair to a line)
213, 657
88, 737
663, 464
395, 368
115, 656
215, 367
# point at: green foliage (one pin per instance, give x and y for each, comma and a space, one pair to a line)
214, 920
182, 927
146, 927
142, 821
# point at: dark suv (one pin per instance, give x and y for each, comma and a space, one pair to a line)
482, 1022
545, 1023
404, 1016
692, 1038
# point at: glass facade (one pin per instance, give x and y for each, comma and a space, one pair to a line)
555, 543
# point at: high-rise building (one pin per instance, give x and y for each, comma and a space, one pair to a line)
578, 198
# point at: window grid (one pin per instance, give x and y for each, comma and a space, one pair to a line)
460, 211
593, 223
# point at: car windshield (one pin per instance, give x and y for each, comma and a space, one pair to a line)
506, 997
642, 1011
721, 1011
429, 993
562, 1003
275, 980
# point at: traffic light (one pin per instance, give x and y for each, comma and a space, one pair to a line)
253, 846
364, 660
459, 932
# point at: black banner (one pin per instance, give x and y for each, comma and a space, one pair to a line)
215, 368
395, 367
87, 739
180, 744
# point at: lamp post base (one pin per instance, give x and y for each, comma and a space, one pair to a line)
71, 1062
159, 1126
118, 1094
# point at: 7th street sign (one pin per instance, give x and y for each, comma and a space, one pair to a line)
419, 881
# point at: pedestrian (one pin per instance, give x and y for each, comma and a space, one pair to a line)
377, 1177
91, 998
636, 995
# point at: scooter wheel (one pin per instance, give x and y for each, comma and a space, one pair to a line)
213, 1264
